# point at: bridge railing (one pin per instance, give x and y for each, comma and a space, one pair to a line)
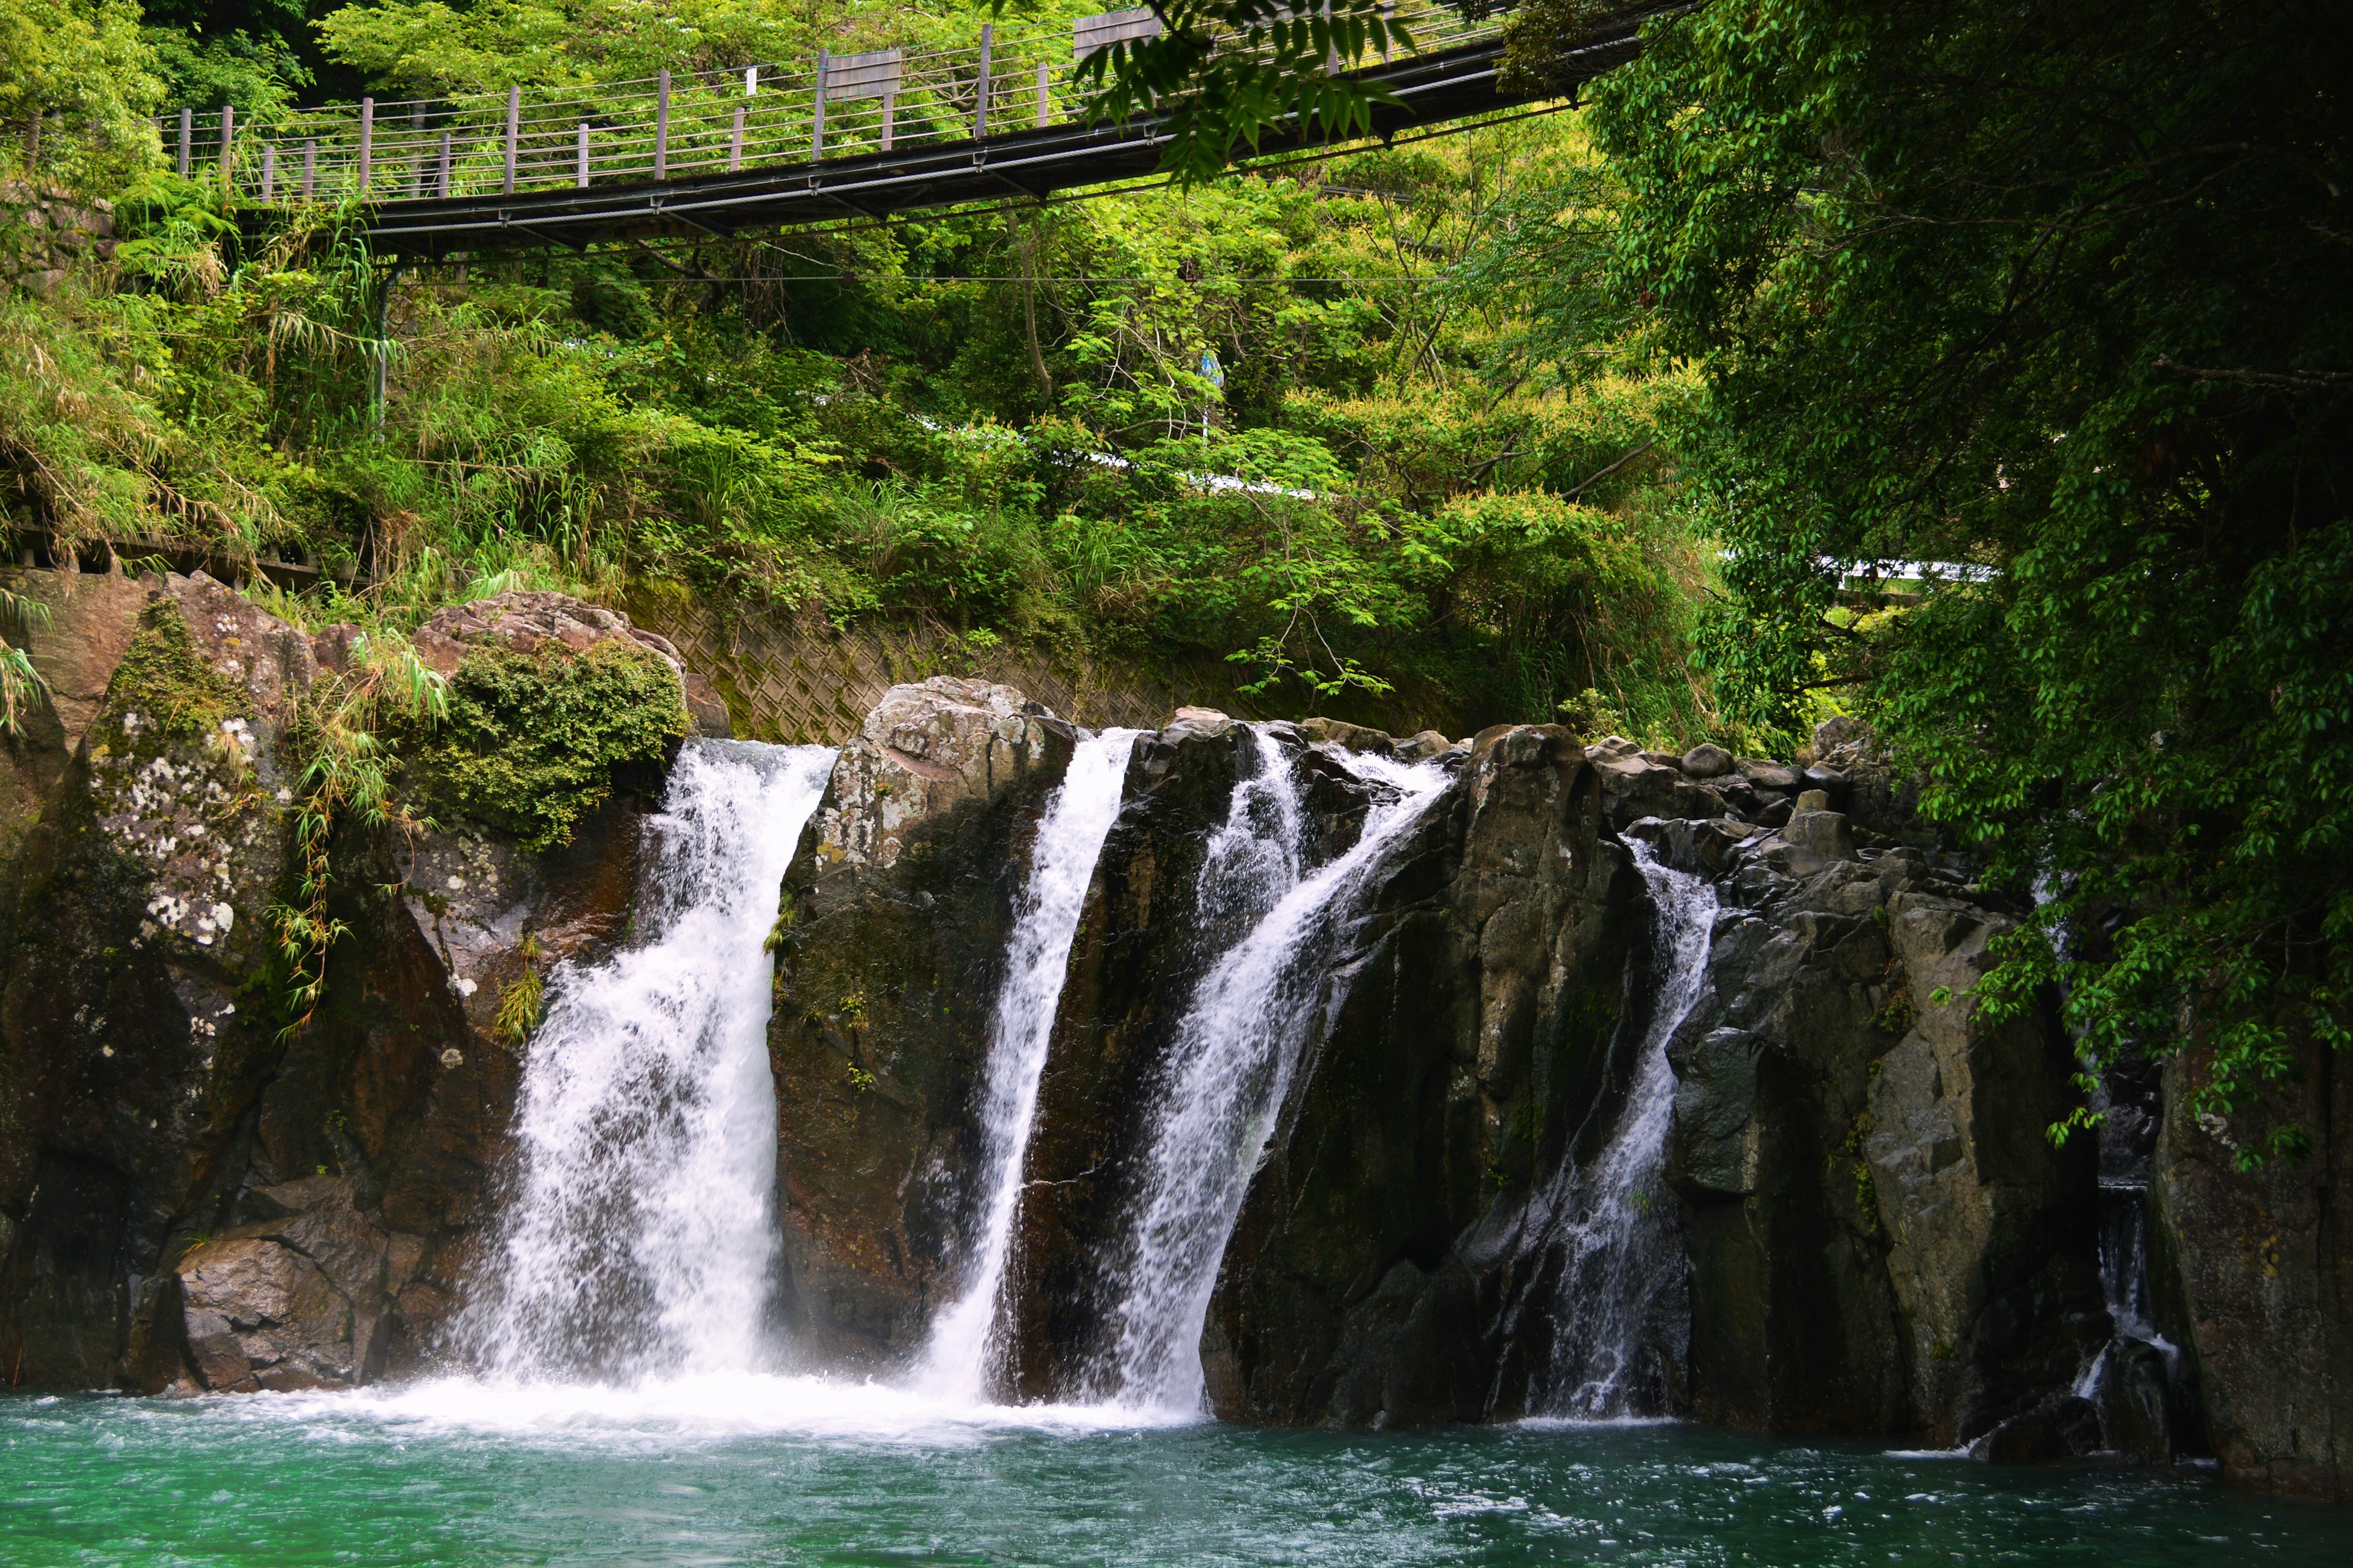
677, 125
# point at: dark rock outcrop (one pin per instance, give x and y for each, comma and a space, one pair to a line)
2253, 1277
1146, 938
1882, 1238
190, 1195
1371, 1272
890, 950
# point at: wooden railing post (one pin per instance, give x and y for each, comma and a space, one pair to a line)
227, 136
661, 125
310, 164
1041, 95
514, 128
735, 142
441, 188
890, 114
980, 87
187, 134
367, 141
581, 180
269, 172
816, 109
416, 150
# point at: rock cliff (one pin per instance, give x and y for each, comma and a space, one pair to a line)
890, 941
192, 1196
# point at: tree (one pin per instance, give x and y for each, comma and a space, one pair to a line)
2058, 288
77, 84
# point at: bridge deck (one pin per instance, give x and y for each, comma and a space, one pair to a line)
724, 151
1032, 163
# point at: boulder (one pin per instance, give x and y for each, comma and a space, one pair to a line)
891, 936
1350, 737
527, 621
1707, 761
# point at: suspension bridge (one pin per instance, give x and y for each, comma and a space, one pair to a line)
853, 136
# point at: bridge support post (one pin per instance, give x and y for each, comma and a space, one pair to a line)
816, 106
514, 128
661, 125
980, 86
367, 140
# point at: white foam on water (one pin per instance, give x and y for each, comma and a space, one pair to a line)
638, 1238
695, 1407
966, 1349
1231, 1066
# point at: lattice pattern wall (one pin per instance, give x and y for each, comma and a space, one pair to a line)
786, 681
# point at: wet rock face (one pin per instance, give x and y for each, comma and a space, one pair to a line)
1381, 1268
891, 943
1143, 944
2253, 1277
1880, 1236
181, 1185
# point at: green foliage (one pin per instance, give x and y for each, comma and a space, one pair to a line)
531, 743
21, 686
1423, 481
335, 731
2056, 290
1226, 72
77, 84
522, 1004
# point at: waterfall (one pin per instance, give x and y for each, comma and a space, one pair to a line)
639, 1234
1234, 1051
1610, 1216
958, 1363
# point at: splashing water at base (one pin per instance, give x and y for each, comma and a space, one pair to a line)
1610, 1216
639, 1237
961, 1357
1231, 1064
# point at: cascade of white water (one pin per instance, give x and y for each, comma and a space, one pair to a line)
639, 1236
1608, 1217
959, 1360
1232, 1060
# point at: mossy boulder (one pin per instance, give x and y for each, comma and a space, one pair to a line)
535, 742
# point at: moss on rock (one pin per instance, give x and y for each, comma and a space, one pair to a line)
166, 679
533, 742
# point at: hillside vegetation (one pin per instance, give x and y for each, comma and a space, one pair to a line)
1017, 422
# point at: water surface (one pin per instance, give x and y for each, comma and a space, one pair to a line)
770, 1471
